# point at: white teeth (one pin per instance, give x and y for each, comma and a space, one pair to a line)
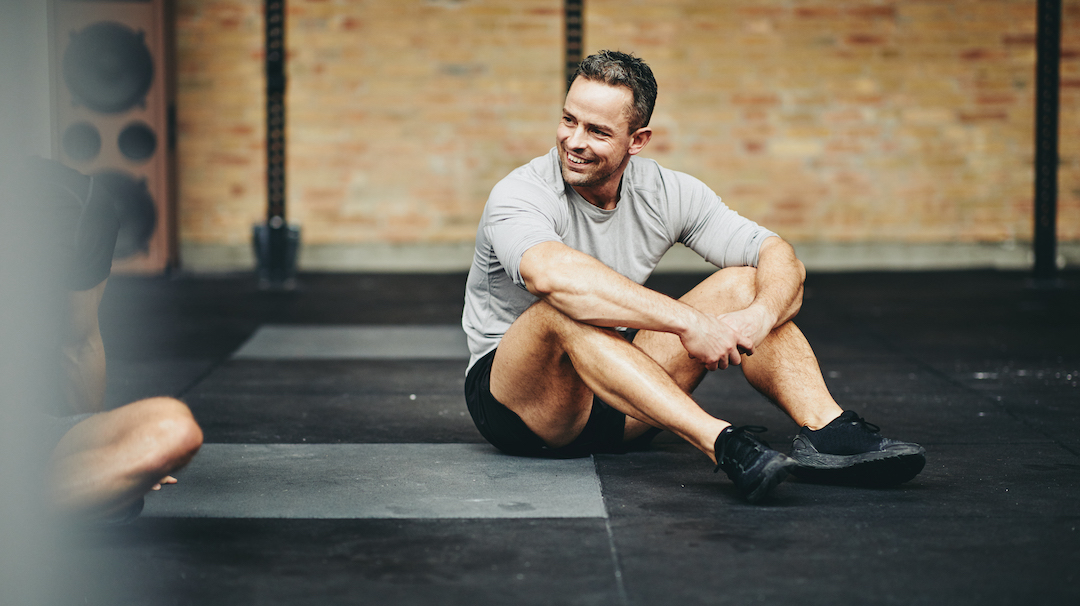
576, 161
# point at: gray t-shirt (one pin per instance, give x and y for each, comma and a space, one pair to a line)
657, 208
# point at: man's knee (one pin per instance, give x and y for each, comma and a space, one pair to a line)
178, 429
735, 288
728, 289
741, 285
169, 431
543, 315
548, 325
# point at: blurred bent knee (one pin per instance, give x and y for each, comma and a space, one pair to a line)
168, 426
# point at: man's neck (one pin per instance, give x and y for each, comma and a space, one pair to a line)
605, 197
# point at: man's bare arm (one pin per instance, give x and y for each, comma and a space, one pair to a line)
83, 353
779, 282
588, 291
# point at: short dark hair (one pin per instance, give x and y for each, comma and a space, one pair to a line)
620, 69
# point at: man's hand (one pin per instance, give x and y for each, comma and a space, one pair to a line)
714, 343
753, 323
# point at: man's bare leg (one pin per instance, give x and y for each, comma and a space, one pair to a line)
548, 367
783, 367
108, 461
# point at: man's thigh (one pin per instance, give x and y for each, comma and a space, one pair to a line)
533, 375
604, 431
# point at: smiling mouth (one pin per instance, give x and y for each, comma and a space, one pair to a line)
576, 161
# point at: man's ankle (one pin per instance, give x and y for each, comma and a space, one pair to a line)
820, 419
709, 446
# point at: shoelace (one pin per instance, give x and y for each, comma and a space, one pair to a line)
720, 456
866, 424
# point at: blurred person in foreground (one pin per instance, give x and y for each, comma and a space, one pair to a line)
97, 463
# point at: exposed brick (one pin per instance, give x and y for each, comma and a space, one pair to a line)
969, 117
754, 147
833, 120
979, 54
865, 39
872, 11
816, 12
756, 9
757, 100
999, 99
1026, 39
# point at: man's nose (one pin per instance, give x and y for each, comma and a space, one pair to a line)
576, 139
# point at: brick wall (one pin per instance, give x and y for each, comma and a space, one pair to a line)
403, 114
221, 120
853, 121
831, 121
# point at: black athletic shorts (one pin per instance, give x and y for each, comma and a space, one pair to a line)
603, 433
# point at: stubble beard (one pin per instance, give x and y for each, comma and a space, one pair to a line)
595, 177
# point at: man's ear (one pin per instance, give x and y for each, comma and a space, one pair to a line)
639, 140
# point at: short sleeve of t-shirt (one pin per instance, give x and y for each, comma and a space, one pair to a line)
518, 216
710, 228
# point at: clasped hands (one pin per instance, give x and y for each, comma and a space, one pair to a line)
720, 341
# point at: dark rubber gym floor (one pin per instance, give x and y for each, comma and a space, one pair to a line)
360, 479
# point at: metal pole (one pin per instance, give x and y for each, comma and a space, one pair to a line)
574, 36
275, 109
1047, 101
276, 242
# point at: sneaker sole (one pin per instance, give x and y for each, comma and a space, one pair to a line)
774, 472
879, 469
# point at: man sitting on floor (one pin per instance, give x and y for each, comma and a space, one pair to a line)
571, 356
100, 463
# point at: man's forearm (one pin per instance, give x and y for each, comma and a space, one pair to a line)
588, 291
779, 280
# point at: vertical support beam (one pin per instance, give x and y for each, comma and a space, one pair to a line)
276, 242
575, 46
275, 110
1047, 101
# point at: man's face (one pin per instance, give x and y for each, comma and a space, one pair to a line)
593, 137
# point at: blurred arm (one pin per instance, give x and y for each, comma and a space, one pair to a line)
83, 353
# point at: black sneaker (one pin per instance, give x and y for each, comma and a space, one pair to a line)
852, 452
749, 462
